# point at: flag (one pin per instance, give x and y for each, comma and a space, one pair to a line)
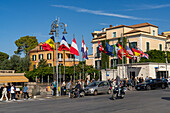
124, 52
49, 45
140, 51
116, 49
145, 55
109, 49
64, 45
130, 52
101, 49
74, 48
136, 52
84, 50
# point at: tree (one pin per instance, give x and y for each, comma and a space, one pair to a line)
5, 65
3, 56
156, 56
25, 44
42, 63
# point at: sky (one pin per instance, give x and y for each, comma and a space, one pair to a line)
19, 18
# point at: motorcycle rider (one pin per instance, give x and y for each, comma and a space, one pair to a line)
78, 87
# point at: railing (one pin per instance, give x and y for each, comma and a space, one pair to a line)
71, 59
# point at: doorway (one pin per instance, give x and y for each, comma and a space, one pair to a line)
161, 74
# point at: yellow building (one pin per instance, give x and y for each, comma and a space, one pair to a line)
144, 36
38, 53
167, 34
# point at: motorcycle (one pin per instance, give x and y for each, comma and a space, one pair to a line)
73, 93
118, 92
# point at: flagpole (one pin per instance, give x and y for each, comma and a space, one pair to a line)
64, 66
98, 60
83, 59
106, 61
53, 66
122, 56
74, 64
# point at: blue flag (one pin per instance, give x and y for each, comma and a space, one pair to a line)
109, 49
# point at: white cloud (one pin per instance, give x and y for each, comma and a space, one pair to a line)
147, 7
104, 24
98, 12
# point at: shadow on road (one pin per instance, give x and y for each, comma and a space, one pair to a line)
166, 98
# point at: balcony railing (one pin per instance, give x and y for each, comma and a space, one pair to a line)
71, 59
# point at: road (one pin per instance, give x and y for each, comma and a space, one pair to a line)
153, 101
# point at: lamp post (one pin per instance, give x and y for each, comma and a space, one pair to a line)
166, 58
55, 29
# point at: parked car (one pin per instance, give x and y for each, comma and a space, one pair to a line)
97, 87
152, 84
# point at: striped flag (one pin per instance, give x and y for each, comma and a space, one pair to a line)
49, 45
130, 52
74, 48
64, 45
145, 55
101, 49
84, 50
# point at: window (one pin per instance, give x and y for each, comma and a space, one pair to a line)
34, 66
153, 32
114, 34
60, 64
70, 56
49, 56
50, 65
33, 57
160, 47
41, 48
147, 46
40, 56
60, 55
114, 63
133, 45
98, 64
132, 60
98, 53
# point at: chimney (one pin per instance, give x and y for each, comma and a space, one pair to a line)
110, 26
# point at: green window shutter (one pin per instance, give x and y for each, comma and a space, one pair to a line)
98, 54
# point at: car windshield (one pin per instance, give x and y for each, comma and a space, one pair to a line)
93, 84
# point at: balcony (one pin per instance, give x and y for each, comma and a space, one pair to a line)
71, 60
60, 59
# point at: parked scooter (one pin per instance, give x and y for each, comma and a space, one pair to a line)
73, 93
118, 92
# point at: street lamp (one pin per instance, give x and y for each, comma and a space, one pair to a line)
54, 29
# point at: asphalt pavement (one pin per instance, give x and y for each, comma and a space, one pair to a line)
153, 101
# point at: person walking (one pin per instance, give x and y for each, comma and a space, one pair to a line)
13, 89
78, 86
25, 91
54, 85
4, 93
69, 87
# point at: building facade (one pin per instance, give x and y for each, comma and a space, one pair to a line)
144, 36
38, 53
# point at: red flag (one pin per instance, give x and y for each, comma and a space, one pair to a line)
101, 49
74, 48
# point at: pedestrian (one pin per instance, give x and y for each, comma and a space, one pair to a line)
63, 87
13, 89
4, 93
82, 83
168, 81
8, 91
54, 85
78, 87
25, 91
69, 87
146, 78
